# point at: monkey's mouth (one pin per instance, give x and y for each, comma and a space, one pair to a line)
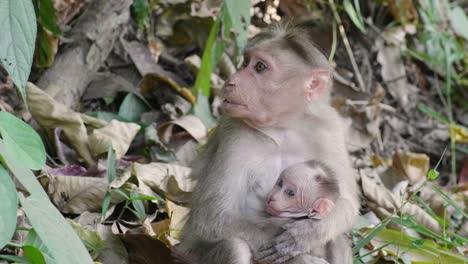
231, 104
272, 211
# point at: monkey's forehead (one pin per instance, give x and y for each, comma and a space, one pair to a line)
302, 170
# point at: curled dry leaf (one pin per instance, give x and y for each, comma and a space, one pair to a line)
384, 203
51, 114
178, 215
170, 179
118, 133
77, 194
216, 83
190, 123
394, 75
413, 165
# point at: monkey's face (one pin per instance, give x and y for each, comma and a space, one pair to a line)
270, 87
289, 198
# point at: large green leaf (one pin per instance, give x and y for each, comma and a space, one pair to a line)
8, 207
21, 142
57, 235
63, 244
419, 251
18, 33
459, 21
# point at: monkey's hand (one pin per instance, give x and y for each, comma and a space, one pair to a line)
288, 244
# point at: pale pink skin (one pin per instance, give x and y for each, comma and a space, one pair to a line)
265, 105
295, 194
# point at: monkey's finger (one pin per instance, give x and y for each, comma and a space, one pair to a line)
266, 253
282, 259
267, 246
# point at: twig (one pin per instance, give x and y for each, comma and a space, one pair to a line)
333, 47
348, 47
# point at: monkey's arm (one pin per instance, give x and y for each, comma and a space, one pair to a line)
298, 235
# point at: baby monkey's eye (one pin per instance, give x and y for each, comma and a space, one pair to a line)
259, 67
290, 192
245, 62
279, 183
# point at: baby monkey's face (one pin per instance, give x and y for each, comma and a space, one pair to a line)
297, 194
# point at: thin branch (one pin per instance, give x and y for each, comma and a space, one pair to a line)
348, 47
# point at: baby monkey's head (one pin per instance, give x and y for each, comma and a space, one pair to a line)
306, 189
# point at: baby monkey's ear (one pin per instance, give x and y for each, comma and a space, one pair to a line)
321, 208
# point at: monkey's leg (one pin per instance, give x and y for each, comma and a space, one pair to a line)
339, 251
307, 259
230, 251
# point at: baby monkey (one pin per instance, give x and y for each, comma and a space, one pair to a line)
304, 191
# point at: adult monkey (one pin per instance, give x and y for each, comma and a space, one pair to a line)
277, 114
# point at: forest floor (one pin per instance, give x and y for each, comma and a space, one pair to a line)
401, 84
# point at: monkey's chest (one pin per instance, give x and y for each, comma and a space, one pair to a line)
261, 177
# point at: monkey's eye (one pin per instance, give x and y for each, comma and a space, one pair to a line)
280, 183
290, 192
245, 62
259, 67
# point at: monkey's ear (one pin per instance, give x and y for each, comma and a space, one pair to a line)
321, 208
318, 83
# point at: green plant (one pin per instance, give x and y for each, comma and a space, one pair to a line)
51, 239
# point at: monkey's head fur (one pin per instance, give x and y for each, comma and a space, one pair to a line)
283, 73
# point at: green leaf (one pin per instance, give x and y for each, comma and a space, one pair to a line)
375, 231
140, 8
144, 198
211, 55
432, 174
238, 15
132, 108
420, 251
110, 173
34, 255
107, 116
47, 16
356, 17
105, 205
8, 207
449, 200
459, 21
33, 240
24, 175
43, 55
432, 113
18, 33
21, 142
138, 205
203, 111
63, 243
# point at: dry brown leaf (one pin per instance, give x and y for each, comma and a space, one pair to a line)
51, 114
460, 134
153, 80
384, 203
170, 179
77, 194
143, 249
190, 123
120, 134
413, 165
178, 215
